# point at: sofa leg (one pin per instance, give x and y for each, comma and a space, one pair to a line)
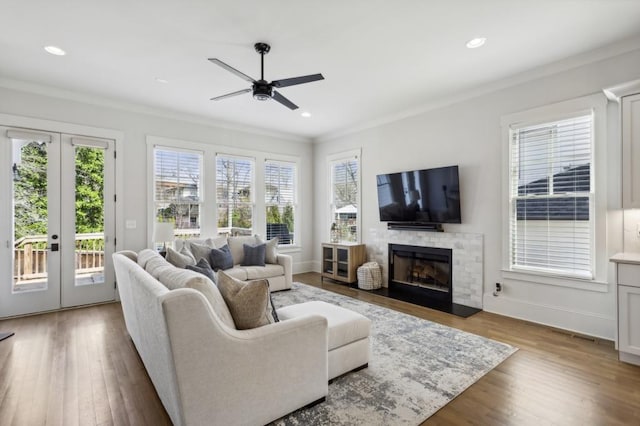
316, 402
362, 367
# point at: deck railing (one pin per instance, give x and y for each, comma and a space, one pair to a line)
30, 256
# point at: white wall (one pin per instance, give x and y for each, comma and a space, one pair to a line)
136, 125
468, 134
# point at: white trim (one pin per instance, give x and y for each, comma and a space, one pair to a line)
79, 129
610, 51
335, 158
90, 99
296, 197
208, 223
582, 322
598, 104
556, 280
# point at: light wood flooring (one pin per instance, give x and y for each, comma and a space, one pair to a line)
79, 367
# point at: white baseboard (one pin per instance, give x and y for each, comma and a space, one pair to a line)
306, 266
630, 358
587, 323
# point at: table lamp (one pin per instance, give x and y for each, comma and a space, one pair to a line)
163, 232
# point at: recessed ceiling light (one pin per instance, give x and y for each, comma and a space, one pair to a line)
55, 50
161, 80
306, 114
476, 42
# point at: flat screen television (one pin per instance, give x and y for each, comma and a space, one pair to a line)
429, 196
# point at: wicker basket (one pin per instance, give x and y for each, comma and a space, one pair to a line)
369, 276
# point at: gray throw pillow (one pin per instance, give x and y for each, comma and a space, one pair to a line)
271, 253
180, 259
254, 255
248, 301
203, 267
200, 251
221, 258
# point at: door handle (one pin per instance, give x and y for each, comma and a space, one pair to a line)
54, 247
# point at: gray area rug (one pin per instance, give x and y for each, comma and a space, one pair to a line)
416, 367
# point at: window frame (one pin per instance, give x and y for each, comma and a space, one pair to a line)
331, 161
252, 191
595, 104
296, 225
201, 181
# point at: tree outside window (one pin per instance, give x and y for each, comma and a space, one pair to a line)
345, 175
234, 194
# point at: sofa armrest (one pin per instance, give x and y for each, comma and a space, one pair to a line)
228, 376
287, 263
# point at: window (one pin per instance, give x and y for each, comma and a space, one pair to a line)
551, 197
280, 200
345, 182
178, 189
235, 194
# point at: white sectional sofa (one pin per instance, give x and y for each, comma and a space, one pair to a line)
205, 371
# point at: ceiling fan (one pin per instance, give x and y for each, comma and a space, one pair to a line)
262, 90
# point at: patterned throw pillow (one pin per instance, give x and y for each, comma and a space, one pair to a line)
248, 301
203, 267
180, 259
254, 255
221, 258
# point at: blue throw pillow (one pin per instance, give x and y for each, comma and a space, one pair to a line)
221, 258
203, 267
254, 255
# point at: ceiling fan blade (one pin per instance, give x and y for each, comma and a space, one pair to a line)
232, 70
297, 80
229, 95
284, 101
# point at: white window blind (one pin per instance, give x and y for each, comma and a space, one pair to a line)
551, 197
235, 193
345, 176
177, 188
280, 200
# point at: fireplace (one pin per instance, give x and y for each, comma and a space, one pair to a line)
427, 269
423, 276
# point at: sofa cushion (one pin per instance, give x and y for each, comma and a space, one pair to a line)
145, 255
254, 255
155, 264
174, 278
180, 259
345, 325
203, 268
267, 271
238, 272
221, 258
248, 301
236, 246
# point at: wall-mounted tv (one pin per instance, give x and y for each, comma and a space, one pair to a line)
429, 196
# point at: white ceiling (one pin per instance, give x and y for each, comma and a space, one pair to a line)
379, 57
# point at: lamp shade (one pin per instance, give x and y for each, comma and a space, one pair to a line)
163, 232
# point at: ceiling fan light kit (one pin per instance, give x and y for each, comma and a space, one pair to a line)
263, 90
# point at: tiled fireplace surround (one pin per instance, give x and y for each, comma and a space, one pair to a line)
467, 257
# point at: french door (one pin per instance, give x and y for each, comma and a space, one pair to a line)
57, 226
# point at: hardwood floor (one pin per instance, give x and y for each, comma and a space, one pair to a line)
79, 367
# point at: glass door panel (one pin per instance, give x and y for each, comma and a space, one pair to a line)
31, 185
88, 209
